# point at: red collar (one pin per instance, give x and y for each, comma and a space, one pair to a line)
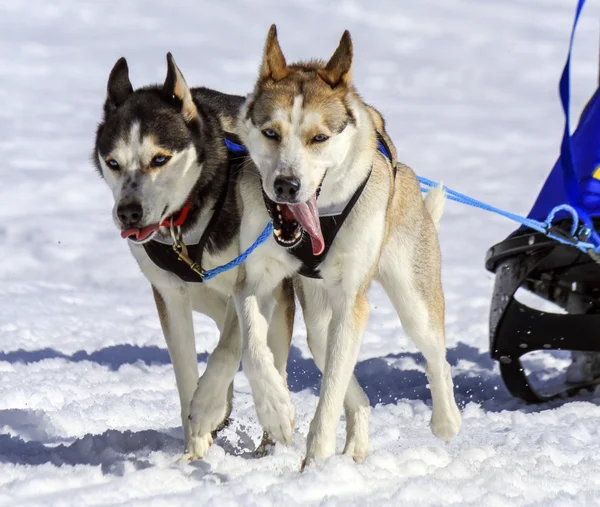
178, 218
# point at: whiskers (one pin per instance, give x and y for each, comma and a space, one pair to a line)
247, 168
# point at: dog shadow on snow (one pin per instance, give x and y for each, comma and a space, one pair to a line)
389, 379
114, 451
476, 376
112, 357
386, 380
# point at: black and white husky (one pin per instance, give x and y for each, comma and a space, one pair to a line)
162, 152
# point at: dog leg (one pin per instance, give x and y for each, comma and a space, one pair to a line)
281, 326
349, 319
279, 339
271, 396
317, 316
175, 312
419, 301
211, 403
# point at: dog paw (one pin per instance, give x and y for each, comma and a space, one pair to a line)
208, 411
357, 446
445, 424
196, 449
275, 411
265, 447
357, 434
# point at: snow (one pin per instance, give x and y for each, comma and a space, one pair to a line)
88, 408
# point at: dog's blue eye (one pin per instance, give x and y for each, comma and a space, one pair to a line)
159, 160
319, 138
113, 164
270, 133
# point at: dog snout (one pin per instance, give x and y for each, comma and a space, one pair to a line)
287, 188
130, 213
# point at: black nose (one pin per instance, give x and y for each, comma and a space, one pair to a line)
287, 188
130, 214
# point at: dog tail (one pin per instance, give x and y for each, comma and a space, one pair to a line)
434, 202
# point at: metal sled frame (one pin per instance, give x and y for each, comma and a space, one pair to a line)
557, 273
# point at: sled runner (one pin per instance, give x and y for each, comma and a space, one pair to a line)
561, 273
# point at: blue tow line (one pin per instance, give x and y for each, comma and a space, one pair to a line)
536, 225
575, 209
543, 227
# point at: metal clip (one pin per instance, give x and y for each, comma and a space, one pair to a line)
180, 248
562, 234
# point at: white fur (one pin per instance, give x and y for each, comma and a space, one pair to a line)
291, 156
435, 201
179, 335
207, 407
205, 400
330, 304
166, 187
336, 347
254, 301
398, 280
317, 315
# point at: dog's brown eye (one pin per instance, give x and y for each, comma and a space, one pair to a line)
319, 138
271, 134
159, 160
113, 164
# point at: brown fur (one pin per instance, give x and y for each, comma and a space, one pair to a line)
161, 309
325, 87
339, 68
176, 82
399, 247
274, 66
362, 308
379, 123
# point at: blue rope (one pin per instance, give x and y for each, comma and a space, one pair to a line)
543, 227
536, 225
211, 273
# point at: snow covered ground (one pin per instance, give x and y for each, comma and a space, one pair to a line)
88, 406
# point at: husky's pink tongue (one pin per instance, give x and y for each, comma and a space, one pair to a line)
140, 234
307, 215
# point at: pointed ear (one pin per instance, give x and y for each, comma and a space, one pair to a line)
339, 68
119, 87
273, 66
176, 86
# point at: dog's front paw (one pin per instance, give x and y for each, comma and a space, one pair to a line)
196, 448
446, 423
208, 410
357, 433
275, 411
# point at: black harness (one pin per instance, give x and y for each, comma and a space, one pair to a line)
330, 226
163, 254
166, 258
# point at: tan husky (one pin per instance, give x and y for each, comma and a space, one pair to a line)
312, 137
